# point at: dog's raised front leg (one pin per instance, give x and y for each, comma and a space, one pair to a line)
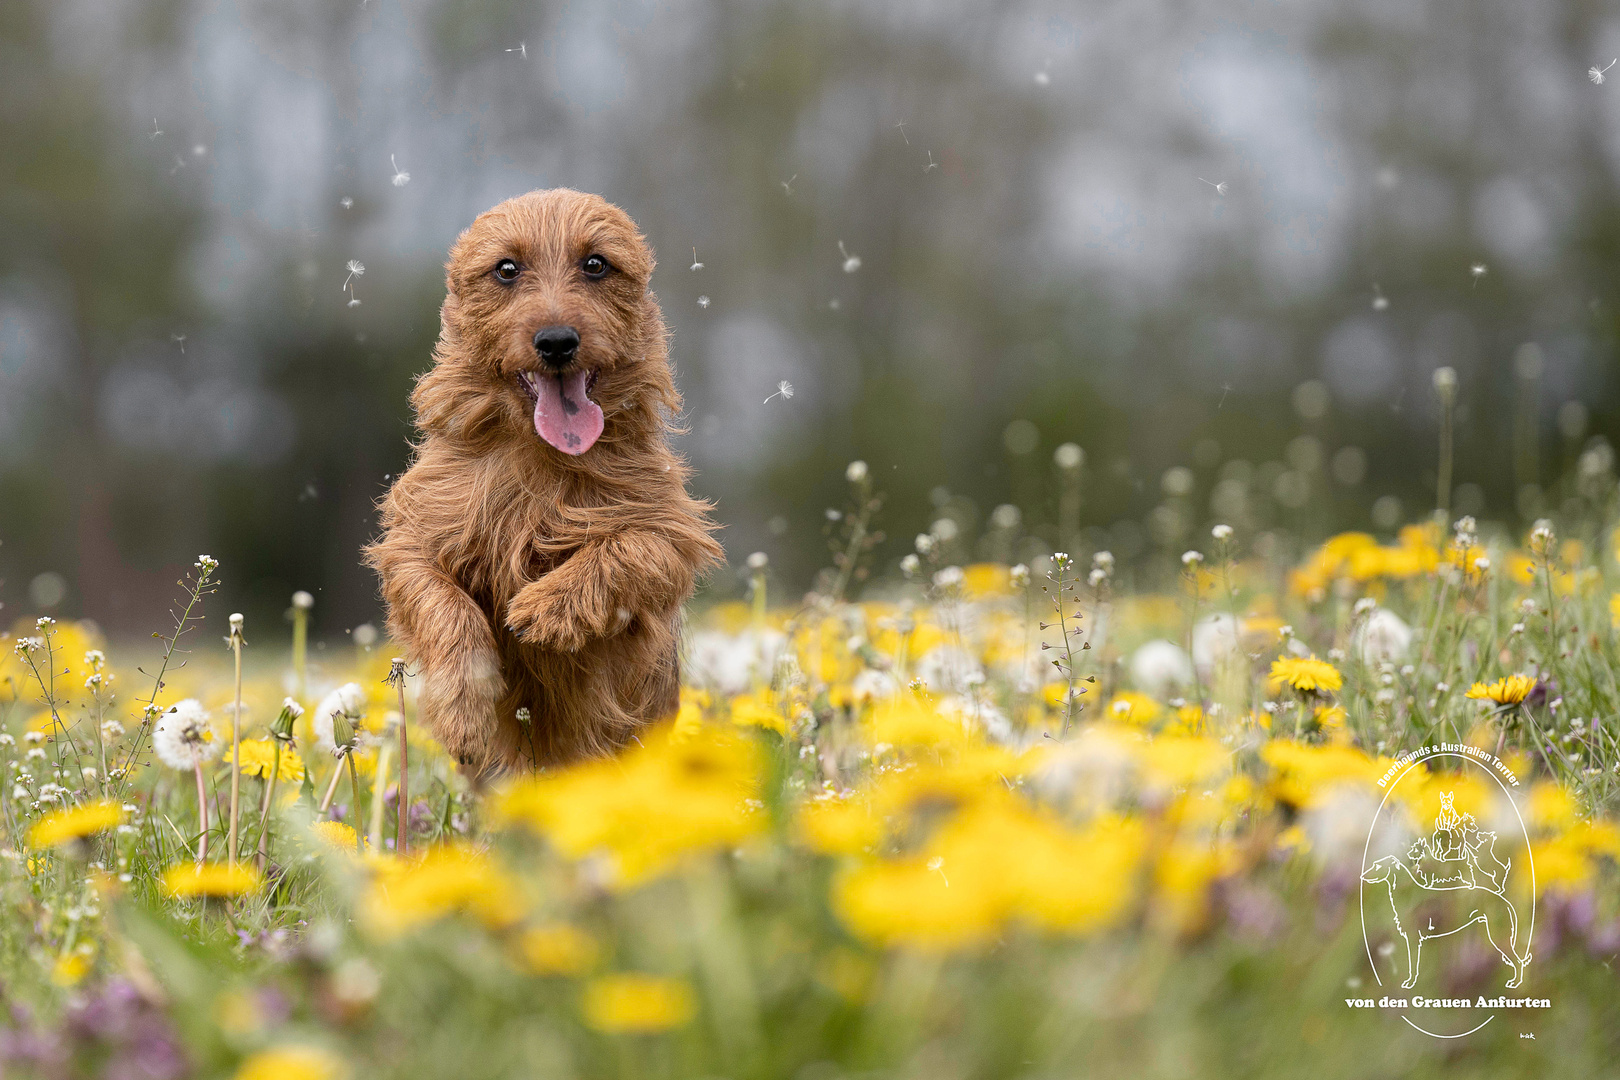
598, 589
449, 638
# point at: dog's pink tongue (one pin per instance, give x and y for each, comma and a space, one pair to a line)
563, 415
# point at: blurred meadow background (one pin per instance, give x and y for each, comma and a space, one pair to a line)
1220, 247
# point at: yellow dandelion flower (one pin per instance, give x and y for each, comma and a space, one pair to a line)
210, 879
292, 1063
69, 969
761, 710
446, 879
259, 757
558, 949
70, 824
1307, 675
1505, 691
980, 580
1129, 707
335, 835
629, 1002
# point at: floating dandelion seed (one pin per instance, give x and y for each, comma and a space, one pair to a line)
155, 131
1042, 79
902, 126
932, 164
1479, 270
787, 185
356, 269
179, 339
784, 390
522, 50
401, 178
1380, 301
1596, 73
852, 263
695, 264
703, 301
937, 864
1220, 188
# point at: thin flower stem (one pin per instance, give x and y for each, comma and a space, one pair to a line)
236, 739
202, 811
269, 801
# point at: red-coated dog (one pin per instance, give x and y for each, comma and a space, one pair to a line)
536, 554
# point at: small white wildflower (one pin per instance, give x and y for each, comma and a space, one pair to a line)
1222, 533
33, 737
758, 561
1191, 558
207, 564
7, 740
1336, 655
1445, 379
1482, 564
1364, 605
19, 793
44, 623
925, 543
1516, 628
1018, 576
524, 715
1097, 576
856, 473
1285, 632
949, 578
909, 565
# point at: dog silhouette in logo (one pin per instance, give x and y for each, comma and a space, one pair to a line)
1457, 862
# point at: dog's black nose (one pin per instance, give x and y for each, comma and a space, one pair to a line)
556, 344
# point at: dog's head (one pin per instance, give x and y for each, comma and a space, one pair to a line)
549, 324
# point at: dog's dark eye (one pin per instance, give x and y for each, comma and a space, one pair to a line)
594, 266
506, 270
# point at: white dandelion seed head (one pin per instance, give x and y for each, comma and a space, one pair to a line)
346, 202
856, 472
703, 301
1479, 270
758, 561
348, 699
785, 388
1380, 303
356, 267
183, 738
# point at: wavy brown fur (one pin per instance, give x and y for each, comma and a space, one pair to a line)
519, 576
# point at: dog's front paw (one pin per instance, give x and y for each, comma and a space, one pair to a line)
553, 617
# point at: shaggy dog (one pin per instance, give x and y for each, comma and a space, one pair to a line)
536, 554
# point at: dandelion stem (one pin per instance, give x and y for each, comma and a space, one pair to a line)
331, 789
236, 740
202, 810
269, 801
402, 808
354, 786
